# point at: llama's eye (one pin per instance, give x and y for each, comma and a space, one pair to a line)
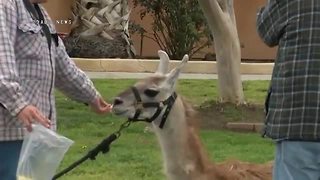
151, 92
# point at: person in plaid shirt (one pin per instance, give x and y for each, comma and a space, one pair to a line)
32, 64
293, 102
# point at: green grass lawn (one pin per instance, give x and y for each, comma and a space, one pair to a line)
136, 155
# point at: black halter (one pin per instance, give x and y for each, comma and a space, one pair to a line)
159, 105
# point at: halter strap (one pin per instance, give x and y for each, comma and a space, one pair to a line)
169, 102
159, 105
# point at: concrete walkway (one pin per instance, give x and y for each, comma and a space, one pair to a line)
125, 75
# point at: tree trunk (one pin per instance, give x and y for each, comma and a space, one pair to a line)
221, 20
96, 47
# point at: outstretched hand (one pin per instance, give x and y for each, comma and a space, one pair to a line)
100, 106
30, 114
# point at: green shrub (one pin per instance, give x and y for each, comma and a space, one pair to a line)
179, 26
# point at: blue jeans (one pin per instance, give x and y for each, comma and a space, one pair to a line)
9, 157
297, 160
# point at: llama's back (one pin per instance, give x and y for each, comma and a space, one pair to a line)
229, 170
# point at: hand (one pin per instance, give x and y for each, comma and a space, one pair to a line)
29, 114
100, 106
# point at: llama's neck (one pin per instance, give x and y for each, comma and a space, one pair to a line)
181, 147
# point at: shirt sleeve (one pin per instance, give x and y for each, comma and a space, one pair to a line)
71, 80
11, 96
269, 23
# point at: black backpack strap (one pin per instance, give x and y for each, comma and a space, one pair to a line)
31, 9
35, 11
55, 38
44, 26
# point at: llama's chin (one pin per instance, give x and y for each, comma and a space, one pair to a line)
119, 112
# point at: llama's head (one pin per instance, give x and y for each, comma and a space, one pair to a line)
144, 100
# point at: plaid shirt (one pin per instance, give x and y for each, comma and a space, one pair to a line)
28, 74
294, 103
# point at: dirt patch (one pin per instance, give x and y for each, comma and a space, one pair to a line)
215, 115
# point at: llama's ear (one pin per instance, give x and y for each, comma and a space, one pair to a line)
183, 62
164, 63
173, 76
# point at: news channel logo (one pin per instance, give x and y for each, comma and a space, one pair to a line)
63, 21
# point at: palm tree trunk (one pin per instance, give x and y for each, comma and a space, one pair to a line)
100, 30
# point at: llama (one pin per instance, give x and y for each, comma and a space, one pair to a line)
154, 100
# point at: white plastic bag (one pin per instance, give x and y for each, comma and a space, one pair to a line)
41, 153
